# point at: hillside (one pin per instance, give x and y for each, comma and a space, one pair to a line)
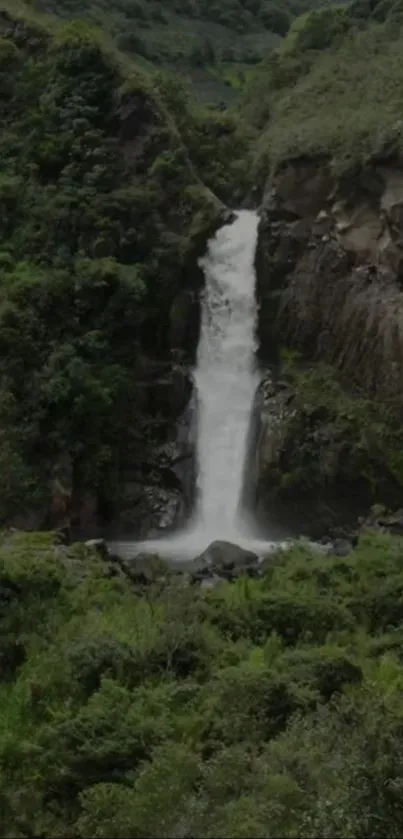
212, 43
332, 89
328, 160
258, 698
105, 203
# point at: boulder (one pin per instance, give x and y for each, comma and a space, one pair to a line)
381, 519
341, 547
224, 560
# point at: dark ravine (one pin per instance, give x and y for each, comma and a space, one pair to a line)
329, 273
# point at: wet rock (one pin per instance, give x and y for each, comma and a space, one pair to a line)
98, 545
341, 547
146, 510
157, 480
224, 560
176, 459
394, 524
184, 321
380, 519
276, 412
169, 394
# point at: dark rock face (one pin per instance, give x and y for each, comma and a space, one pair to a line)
290, 495
224, 560
158, 480
329, 268
383, 521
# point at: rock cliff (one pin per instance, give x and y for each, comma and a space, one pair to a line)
330, 265
329, 276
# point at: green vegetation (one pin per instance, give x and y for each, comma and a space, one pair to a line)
334, 87
333, 438
212, 41
103, 210
265, 707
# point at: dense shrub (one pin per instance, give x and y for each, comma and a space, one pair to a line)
131, 715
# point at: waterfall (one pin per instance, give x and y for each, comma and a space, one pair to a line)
225, 376
225, 379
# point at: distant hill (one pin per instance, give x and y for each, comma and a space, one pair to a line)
214, 42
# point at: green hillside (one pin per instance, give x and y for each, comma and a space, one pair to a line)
334, 88
137, 699
214, 43
108, 188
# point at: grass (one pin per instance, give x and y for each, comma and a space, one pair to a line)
350, 97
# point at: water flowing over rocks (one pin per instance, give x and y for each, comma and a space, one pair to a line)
225, 380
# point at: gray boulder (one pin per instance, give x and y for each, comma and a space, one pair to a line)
225, 560
341, 547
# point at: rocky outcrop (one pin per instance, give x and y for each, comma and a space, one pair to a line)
330, 270
224, 560
157, 472
329, 279
306, 473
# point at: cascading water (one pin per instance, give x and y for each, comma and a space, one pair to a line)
225, 376
225, 380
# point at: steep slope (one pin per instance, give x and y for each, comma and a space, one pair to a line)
102, 216
331, 247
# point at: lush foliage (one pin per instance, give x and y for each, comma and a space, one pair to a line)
214, 41
334, 88
332, 435
103, 211
263, 708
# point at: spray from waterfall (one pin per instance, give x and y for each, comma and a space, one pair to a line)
225, 378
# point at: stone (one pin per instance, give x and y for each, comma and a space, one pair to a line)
394, 524
170, 394
225, 560
184, 321
147, 509
341, 547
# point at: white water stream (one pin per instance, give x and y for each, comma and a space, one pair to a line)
225, 380
225, 376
